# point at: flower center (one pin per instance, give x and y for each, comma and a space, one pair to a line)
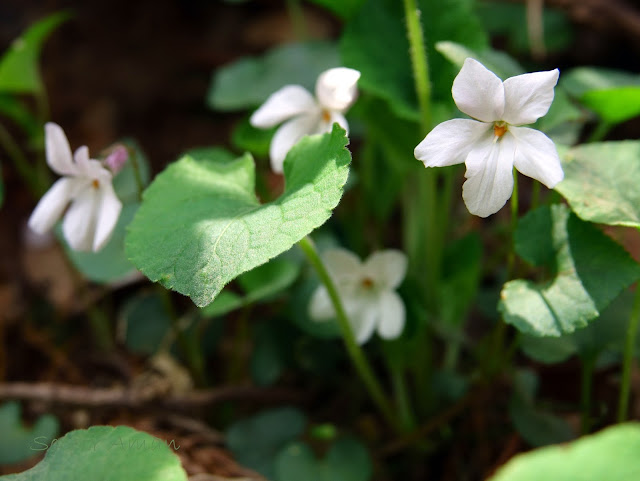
326, 116
499, 129
95, 184
367, 283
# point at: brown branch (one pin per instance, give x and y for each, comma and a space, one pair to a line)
130, 398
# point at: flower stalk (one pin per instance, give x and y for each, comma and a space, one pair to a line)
625, 383
358, 358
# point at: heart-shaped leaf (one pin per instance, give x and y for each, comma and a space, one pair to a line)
109, 454
347, 460
18, 442
611, 454
591, 270
200, 224
601, 182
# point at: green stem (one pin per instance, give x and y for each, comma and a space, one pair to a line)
100, 327
588, 366
353, 349
600, 132
401, 395
419, 62
514, 222
297, 19
20, 162
535, 195
632, 333
190, 350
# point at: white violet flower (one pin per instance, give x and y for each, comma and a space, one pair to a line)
367, 292
335, 92
494, 143
86, 184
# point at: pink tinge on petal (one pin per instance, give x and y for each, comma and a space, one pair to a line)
116, 160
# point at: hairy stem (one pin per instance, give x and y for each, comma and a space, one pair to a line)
356, 354
632, 333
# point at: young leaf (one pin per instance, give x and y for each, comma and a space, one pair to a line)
108, 454
611, 454
17, 442
347, 460
248, 82
591, 270
200, 224
256, 440
19, 71
601, 182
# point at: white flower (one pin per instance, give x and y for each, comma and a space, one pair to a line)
335, 92
367, 292
494, 143
94, 210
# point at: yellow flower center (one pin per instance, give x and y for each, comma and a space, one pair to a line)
499, 129
326, 116
95, 184
367, 283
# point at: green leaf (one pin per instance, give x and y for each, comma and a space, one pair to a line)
19, 71
581, 80
109, 454
611, 454
14, 109
147, 323
260, 284
591, 270
17, 442
607, 333
245, 137
345, 9
383, 59
347, 460
200, 224
255, 441
601, 182
537, 426
614, 105
248, 82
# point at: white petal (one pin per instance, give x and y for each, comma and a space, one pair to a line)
107, 214
320, 306
79, 222
387, 268
58, 150
536, 156
362, 316
343, 265
489, 175
392, 315
287, 136
478, 92
336, 88
327, 125
289, 101
450, 142
529, 96
52, 205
